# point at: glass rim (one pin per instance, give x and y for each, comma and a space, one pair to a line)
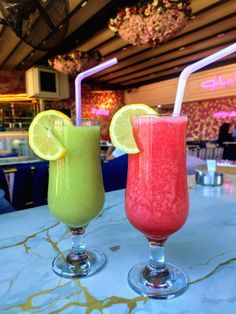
174, 115
85, 121
78, 121
75, 118
82, 119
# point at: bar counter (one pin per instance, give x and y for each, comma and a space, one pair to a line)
204, 248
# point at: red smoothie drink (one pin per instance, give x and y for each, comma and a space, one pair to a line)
157, 200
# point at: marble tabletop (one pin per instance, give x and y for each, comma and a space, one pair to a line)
205, 248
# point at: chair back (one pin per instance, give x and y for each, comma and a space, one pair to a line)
22, 188
4, 185
5, 205
40, 183
114, 173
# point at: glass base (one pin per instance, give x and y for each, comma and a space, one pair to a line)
167, 285
95, 260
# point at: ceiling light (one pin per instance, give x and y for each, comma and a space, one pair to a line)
84, 4
181, 48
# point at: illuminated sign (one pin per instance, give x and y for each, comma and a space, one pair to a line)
218, 81
100, 112
225, 114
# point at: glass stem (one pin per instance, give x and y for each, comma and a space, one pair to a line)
78, 252
155, 273
78, 241
157, 254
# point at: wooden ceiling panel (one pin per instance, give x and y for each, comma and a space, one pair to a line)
114, 45
166, 65
174, 54
8, 42
85, 13
31, 59
74, 3
16, 57
96, 40
126, 52
198, 5
212, 27
164, 74
211, 15
174, 45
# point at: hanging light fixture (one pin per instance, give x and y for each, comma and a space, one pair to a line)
152, 23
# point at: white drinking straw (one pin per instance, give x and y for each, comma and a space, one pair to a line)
78, 80
194, 67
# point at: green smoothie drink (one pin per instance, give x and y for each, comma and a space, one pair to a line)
75, 192
75, 188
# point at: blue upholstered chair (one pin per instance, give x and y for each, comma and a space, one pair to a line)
4, 185
30, 185
5, 205
114, 173
22, 188
40, 183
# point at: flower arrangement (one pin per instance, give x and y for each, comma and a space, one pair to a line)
153, 23
75, 61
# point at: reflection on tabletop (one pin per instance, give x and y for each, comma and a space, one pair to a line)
204, 247
228, 187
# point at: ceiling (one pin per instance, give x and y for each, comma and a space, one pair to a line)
211, 28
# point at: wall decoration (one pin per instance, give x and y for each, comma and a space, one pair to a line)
93, 104
224, 114
203, 118
100, 112
151, 23
11, 82
219, 81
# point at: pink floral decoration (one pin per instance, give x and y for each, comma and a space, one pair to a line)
75, 61
153, 23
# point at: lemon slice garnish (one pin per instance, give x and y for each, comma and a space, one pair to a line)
121, 129
43, 136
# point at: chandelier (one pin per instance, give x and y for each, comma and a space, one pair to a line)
152, 23
75, 61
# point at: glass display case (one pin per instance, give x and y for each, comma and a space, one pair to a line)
15, 144
16, 116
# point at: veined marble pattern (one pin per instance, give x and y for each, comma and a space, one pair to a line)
205, 248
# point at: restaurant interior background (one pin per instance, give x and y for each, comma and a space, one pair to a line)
144, 74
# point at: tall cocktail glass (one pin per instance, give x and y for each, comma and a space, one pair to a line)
76, 195
156, 201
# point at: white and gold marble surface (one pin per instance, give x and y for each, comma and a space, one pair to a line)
205, 248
